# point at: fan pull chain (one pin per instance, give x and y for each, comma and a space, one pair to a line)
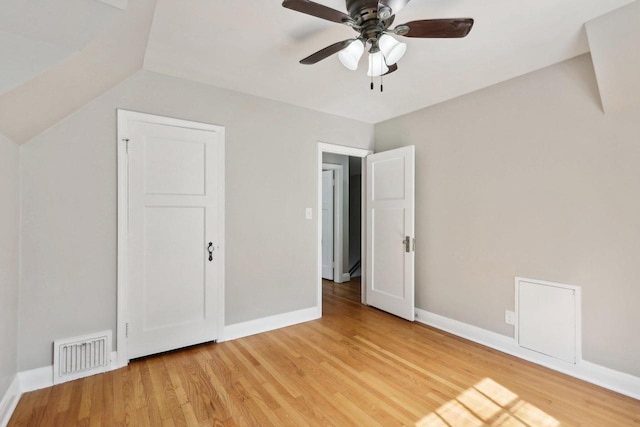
382, 63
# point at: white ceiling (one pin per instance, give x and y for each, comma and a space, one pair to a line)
253, 46
37, 34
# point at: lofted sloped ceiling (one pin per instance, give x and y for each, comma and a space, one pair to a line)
60, 54
35, 35
100, 58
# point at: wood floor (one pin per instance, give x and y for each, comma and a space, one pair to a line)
355, 366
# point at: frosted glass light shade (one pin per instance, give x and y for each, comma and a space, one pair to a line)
377, 67
350, 55
392, 49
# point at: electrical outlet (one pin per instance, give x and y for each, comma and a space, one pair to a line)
509, 317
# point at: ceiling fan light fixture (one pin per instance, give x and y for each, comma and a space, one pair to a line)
392, 49
401, 30
350, 55
384, 13
377, 65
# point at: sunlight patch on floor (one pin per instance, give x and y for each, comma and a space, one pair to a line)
488, 403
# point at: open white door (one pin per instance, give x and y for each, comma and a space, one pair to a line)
390, 231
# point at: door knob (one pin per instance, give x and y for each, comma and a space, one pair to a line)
211, 249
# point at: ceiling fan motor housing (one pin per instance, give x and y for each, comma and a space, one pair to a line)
361, 8
365, 13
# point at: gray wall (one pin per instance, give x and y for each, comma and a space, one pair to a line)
9, 250
529, 178
69, 206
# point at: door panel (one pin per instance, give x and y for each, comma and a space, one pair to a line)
173, 166
390, 220
175, 210
327, 224
173, 295
388, 225
388, 179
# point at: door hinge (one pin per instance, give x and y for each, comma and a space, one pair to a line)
126, 144
409, 244
126, 329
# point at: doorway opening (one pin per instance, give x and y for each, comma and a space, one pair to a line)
341, 237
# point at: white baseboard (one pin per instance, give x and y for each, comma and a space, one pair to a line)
39, 378
346, 277
9, 401
252, 327
114, 362
36, 379
617, 381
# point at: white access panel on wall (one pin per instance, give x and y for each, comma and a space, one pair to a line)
548, 318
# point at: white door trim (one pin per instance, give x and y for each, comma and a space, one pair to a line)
123, 230
338, 220
324, 147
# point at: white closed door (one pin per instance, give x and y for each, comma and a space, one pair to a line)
175, 227
390, 231
327, 224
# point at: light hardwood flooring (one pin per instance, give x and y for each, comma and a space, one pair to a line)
355, 366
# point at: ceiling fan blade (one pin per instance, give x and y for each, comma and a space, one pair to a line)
394, 5
317, 10
437, 28
392, 68
326, 52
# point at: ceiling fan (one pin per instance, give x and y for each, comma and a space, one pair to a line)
372, 20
